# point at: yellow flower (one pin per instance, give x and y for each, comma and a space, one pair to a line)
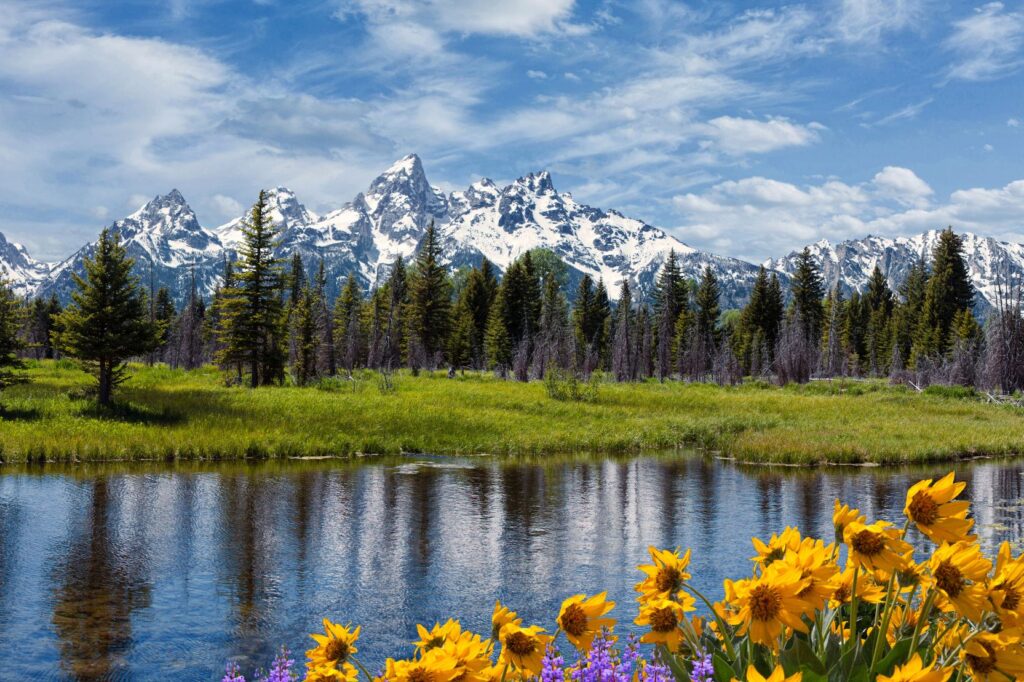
433, 666
665, 575
663, 616
994, 657
328, 673
524, 647
501, 617
437, 635
842, 516
777, 675
868, 591
931, 507
876, 547
1007, 588
473, 655
581, 619
763, 605
915, 671
334, 647
777, 546
959, 572
813, 559
901, 623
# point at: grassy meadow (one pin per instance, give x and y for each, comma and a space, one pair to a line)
171, 414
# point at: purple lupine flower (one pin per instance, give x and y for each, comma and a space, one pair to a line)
628, 659
281, 669
703, 670
656, 671
232, 673
552, 666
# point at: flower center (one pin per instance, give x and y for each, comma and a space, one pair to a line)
573, 620
419, 675
765, 602
868, 543
1012, 599
923, 509
774, 555
842, 594
433, 643
668, 579
337, 650
664, 619
979, 665
520, 644
949, 579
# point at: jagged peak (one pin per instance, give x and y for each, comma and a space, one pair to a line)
538, 182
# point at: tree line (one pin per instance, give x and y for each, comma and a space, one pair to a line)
271, 322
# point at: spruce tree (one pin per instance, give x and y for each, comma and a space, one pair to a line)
622, 356
430, 292
164, 314
462, 340
107, 321
476, 297
252, 319
296, 278
907, 313
348, 315
670, 299
11, 318
306, 334
949, 292
808, 289
498, 341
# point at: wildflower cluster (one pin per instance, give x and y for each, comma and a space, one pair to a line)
860, 607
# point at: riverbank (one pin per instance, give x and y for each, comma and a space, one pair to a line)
170, 414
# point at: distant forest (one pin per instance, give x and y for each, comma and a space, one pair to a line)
270, 322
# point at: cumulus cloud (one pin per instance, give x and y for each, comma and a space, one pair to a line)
743, 135
987, 44
759, 217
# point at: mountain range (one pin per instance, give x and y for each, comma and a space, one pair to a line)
364, 236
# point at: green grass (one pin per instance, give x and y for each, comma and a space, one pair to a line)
170, 414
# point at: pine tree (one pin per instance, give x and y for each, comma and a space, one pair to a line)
188, 332
879, 333
476, 297
670, 299
394, 343
306, 334
522, 299
553, 337
348, 314
327, 361
296, 278
11, 319
251, 317
807, 289
907, 314
106, 322
498, 341
832, 341
430, 292
622, 357
949, 291
164, 314
462, 340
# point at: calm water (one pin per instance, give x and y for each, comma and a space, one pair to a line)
165, 572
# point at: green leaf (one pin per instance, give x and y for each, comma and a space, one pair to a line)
674, 664
896, 655
723, 671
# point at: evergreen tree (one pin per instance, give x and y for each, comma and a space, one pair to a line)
327, 362
949, 291
430, 291
348, 315
498, 341
706, 308
251, 316
522, 299
622, 357
854, 333
164, 315
106, 322
758, 327
879, 333
462, 340
553, 336
807, 289
296, 278
304, 320
907, 314
40, 329
394, 344
670, 299
834, 349
11, 318
188, 334
476, 297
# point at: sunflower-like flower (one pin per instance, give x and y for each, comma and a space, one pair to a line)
582, 618
328, 673
876, 547
501, 617
959, 572
664, 616
902, 623
814, 561
776, 547
842, 516
868, 590
777, 675
930, 505
665, 574
435, 665
992, 657
524, 647
437, 635
1007, 588
473, 654
334, 647
762, 606
916, 671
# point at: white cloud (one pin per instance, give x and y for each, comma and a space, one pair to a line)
987, 147
1013, 122
522, 18
987, 44
537, 75
869, 20
759, 217
908, 112
738, 136
903, 185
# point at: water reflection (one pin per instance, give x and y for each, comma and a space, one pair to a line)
150, 571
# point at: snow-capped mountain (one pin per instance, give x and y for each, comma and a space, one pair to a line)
285, 211
992, 264
24, 273
168, 245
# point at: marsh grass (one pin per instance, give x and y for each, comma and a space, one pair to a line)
167, 414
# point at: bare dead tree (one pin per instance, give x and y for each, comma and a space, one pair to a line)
1003, 367
795, 355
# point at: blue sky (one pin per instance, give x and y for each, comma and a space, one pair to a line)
745, 128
